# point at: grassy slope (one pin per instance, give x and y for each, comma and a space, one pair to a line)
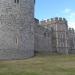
40, 65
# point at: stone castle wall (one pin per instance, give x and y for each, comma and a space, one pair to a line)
16, 29
71, 40
61, 39
20, 37
42, 40
60, 36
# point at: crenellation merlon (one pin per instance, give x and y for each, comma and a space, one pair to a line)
71, 30
56, 20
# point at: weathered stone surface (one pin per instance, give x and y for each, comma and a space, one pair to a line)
42, 39
59, 34
16, 29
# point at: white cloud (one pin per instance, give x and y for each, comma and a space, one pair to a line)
67, 10
71, 24
70, 15
71, 20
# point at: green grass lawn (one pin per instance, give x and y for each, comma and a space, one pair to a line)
40, 65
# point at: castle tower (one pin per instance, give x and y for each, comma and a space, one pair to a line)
59, 33
16, 29
71, 33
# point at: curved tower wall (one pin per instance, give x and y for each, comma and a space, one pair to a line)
16, 29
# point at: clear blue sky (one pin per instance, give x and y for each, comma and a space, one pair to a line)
45, 9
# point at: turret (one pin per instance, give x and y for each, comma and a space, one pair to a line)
16, 18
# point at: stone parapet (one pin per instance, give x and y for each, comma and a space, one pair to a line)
53, 21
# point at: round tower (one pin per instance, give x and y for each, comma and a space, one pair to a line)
16, 29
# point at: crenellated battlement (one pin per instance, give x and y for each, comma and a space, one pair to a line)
53, 21
71, 30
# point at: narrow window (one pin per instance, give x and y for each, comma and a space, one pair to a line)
14, 1
16, 40
17, 1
